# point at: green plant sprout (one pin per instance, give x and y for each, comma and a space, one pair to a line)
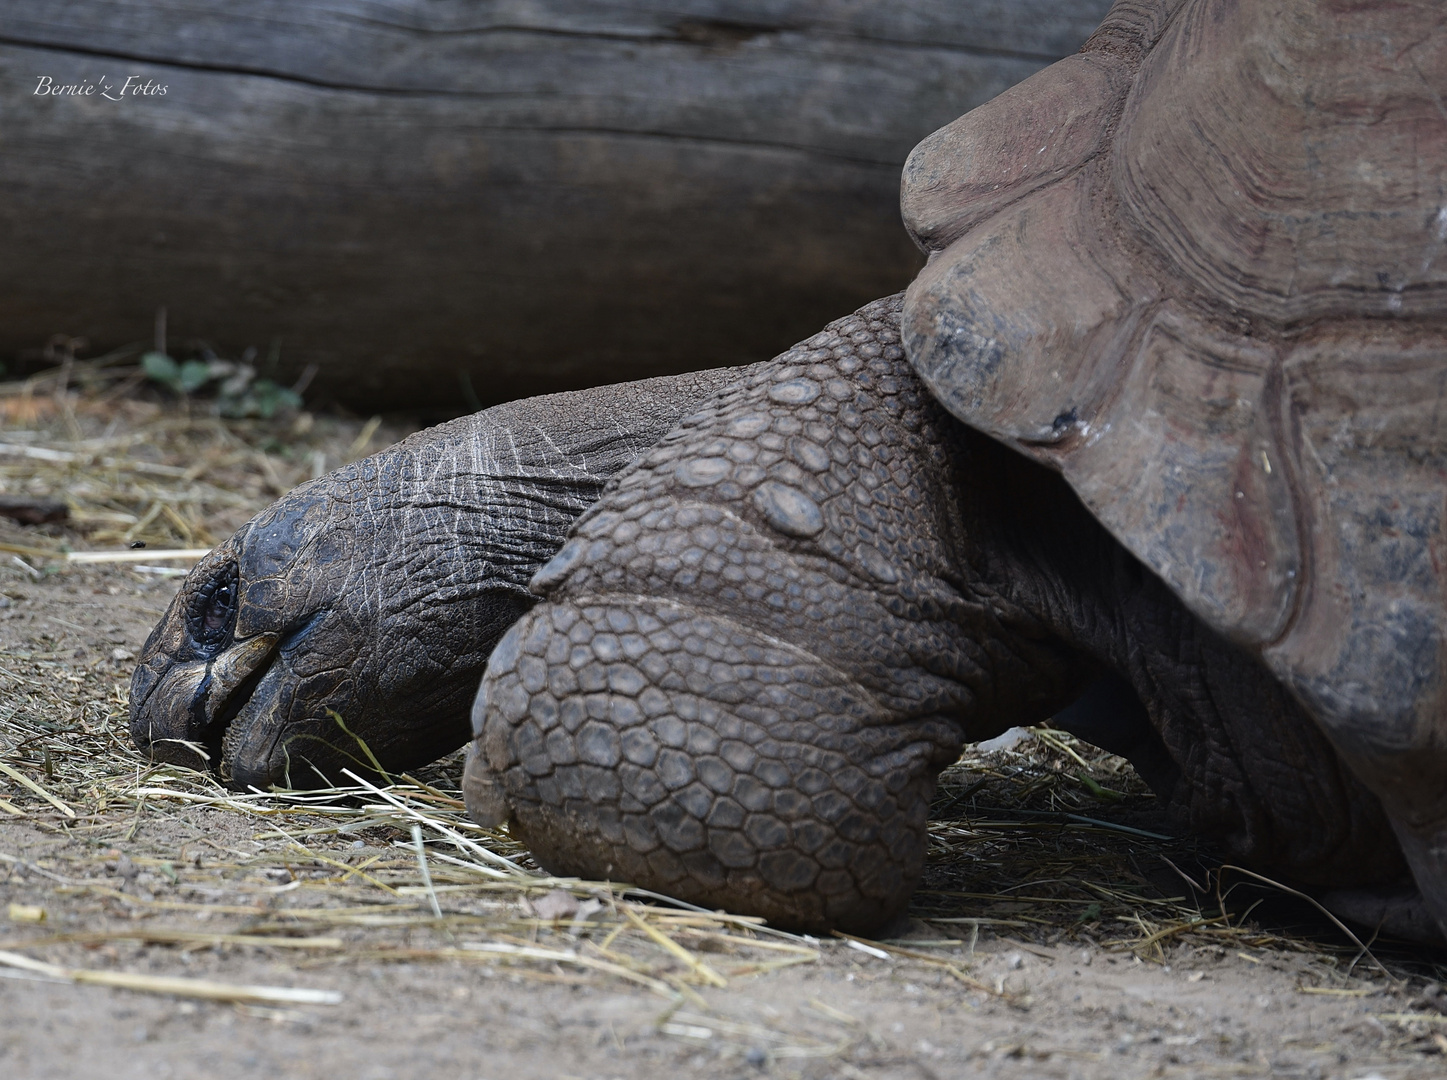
239, 393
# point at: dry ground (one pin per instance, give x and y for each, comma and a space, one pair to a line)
1059, 932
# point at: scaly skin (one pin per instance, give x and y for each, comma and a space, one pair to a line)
761, 646
377, 592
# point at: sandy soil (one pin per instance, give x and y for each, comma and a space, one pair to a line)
158, 887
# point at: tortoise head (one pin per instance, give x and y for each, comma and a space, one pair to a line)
347, 625
312, 639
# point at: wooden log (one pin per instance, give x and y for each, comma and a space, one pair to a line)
526, 195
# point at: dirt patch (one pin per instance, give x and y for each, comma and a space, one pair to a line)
1060, 930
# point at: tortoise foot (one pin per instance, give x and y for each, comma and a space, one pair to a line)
679, 751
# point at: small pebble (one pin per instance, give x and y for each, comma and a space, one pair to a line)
33, 913
1015, 961
554, 905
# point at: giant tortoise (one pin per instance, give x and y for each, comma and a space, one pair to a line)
1152, 445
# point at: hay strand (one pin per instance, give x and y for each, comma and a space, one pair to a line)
20, 778
176, 986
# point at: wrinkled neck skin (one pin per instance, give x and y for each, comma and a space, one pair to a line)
1232, 753
352, 618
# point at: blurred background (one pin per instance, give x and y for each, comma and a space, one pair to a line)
440, 204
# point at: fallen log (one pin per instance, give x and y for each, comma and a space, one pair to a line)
447, 199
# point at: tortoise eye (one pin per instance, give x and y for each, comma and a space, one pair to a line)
223, 603
213, 610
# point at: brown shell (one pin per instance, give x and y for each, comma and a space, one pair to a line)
1199, 269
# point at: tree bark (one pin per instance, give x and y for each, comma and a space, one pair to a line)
519, 196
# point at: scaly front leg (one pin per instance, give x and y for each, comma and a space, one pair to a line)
760, 649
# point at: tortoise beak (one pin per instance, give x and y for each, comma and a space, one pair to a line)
288, 726
184, 718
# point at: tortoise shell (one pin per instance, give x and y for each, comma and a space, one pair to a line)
1200, 268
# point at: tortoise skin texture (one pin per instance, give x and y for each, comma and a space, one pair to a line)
1197, 269
763, 643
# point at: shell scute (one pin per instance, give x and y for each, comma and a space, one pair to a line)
1182, 471
974, 168
1368, 410
1010, 340
1286, 159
